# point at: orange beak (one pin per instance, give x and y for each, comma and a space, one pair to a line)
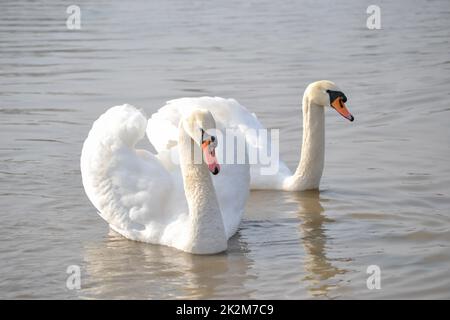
210, 158
340, 107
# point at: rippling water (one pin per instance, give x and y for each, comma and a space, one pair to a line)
384, 198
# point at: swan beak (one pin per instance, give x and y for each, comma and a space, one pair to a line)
340, 107
210, 157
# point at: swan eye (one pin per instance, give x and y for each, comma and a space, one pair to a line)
211, 138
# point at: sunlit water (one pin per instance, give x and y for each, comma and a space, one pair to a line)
384, 197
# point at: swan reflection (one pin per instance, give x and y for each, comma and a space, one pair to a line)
319, 269
119, 268
263, 260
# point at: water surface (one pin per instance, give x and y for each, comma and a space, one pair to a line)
384, 198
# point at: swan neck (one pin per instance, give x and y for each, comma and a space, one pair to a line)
310, 168
207, 229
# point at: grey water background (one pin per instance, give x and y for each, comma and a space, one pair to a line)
384, 198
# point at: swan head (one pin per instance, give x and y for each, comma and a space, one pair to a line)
200, 125
325, 93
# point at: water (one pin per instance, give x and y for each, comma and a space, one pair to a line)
384, 197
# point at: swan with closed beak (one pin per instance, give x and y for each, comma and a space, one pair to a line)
229, 114
317, 97
140, 199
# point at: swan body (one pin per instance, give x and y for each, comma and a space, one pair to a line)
142, 200
228, 113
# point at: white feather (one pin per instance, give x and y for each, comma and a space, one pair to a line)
132, 189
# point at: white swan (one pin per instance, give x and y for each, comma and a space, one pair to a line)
140, 199
228, 113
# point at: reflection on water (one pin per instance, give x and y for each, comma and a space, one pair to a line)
318, 267
384, 197
119, 268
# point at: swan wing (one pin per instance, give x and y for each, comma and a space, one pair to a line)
130, 188
162, 131
232, 184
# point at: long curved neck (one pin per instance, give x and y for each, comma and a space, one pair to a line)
310, 168
207, 232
